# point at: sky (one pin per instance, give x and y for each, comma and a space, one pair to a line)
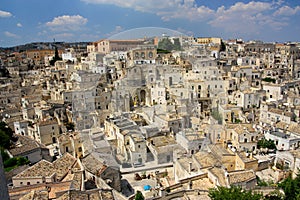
25, 21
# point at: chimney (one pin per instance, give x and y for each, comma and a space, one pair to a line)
190, 167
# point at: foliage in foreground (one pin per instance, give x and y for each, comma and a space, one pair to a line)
139, 195
224, 193
234, 192
291, 187
263, 143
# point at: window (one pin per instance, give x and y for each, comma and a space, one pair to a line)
150, 54
168, 158
136, 55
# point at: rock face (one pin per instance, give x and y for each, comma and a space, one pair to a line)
3, 186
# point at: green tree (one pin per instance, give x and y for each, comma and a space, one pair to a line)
6, 135
166, 44
11, 163
291, 187
139, 196
56, 57
4, 140
217, 116
5, 155
275, 195
223, 46
268, 79
177, 45
234, 192
4, 127
263, 143
22, 161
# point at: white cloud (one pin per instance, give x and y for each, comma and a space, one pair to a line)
12, 35
5, 14
167, 9
248, 18
251, 18
287, 11
67, 23
19, 25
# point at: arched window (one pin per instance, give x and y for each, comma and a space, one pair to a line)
137, 55
150, 54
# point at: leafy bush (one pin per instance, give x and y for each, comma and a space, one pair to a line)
263, 143
4, 140
16, 161
268, 79
234, 192
291, 188
139, 196
10, 162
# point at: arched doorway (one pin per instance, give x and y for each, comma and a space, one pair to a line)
143, 97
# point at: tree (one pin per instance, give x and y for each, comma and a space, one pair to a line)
263, 143
4, 140
139, 196
177, 45
4, 127
223, 46
268, 79
56, 57
291, 187
166, 44
234, 192
275, 195
6, 135
4, 154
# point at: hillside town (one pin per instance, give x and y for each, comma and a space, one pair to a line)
164, 117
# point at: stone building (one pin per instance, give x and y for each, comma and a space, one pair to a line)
101, 172
45, 132
30, 149
47, 172
106, 46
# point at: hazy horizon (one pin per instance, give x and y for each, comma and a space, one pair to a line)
90, 20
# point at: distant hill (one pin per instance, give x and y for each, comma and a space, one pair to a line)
45, 45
